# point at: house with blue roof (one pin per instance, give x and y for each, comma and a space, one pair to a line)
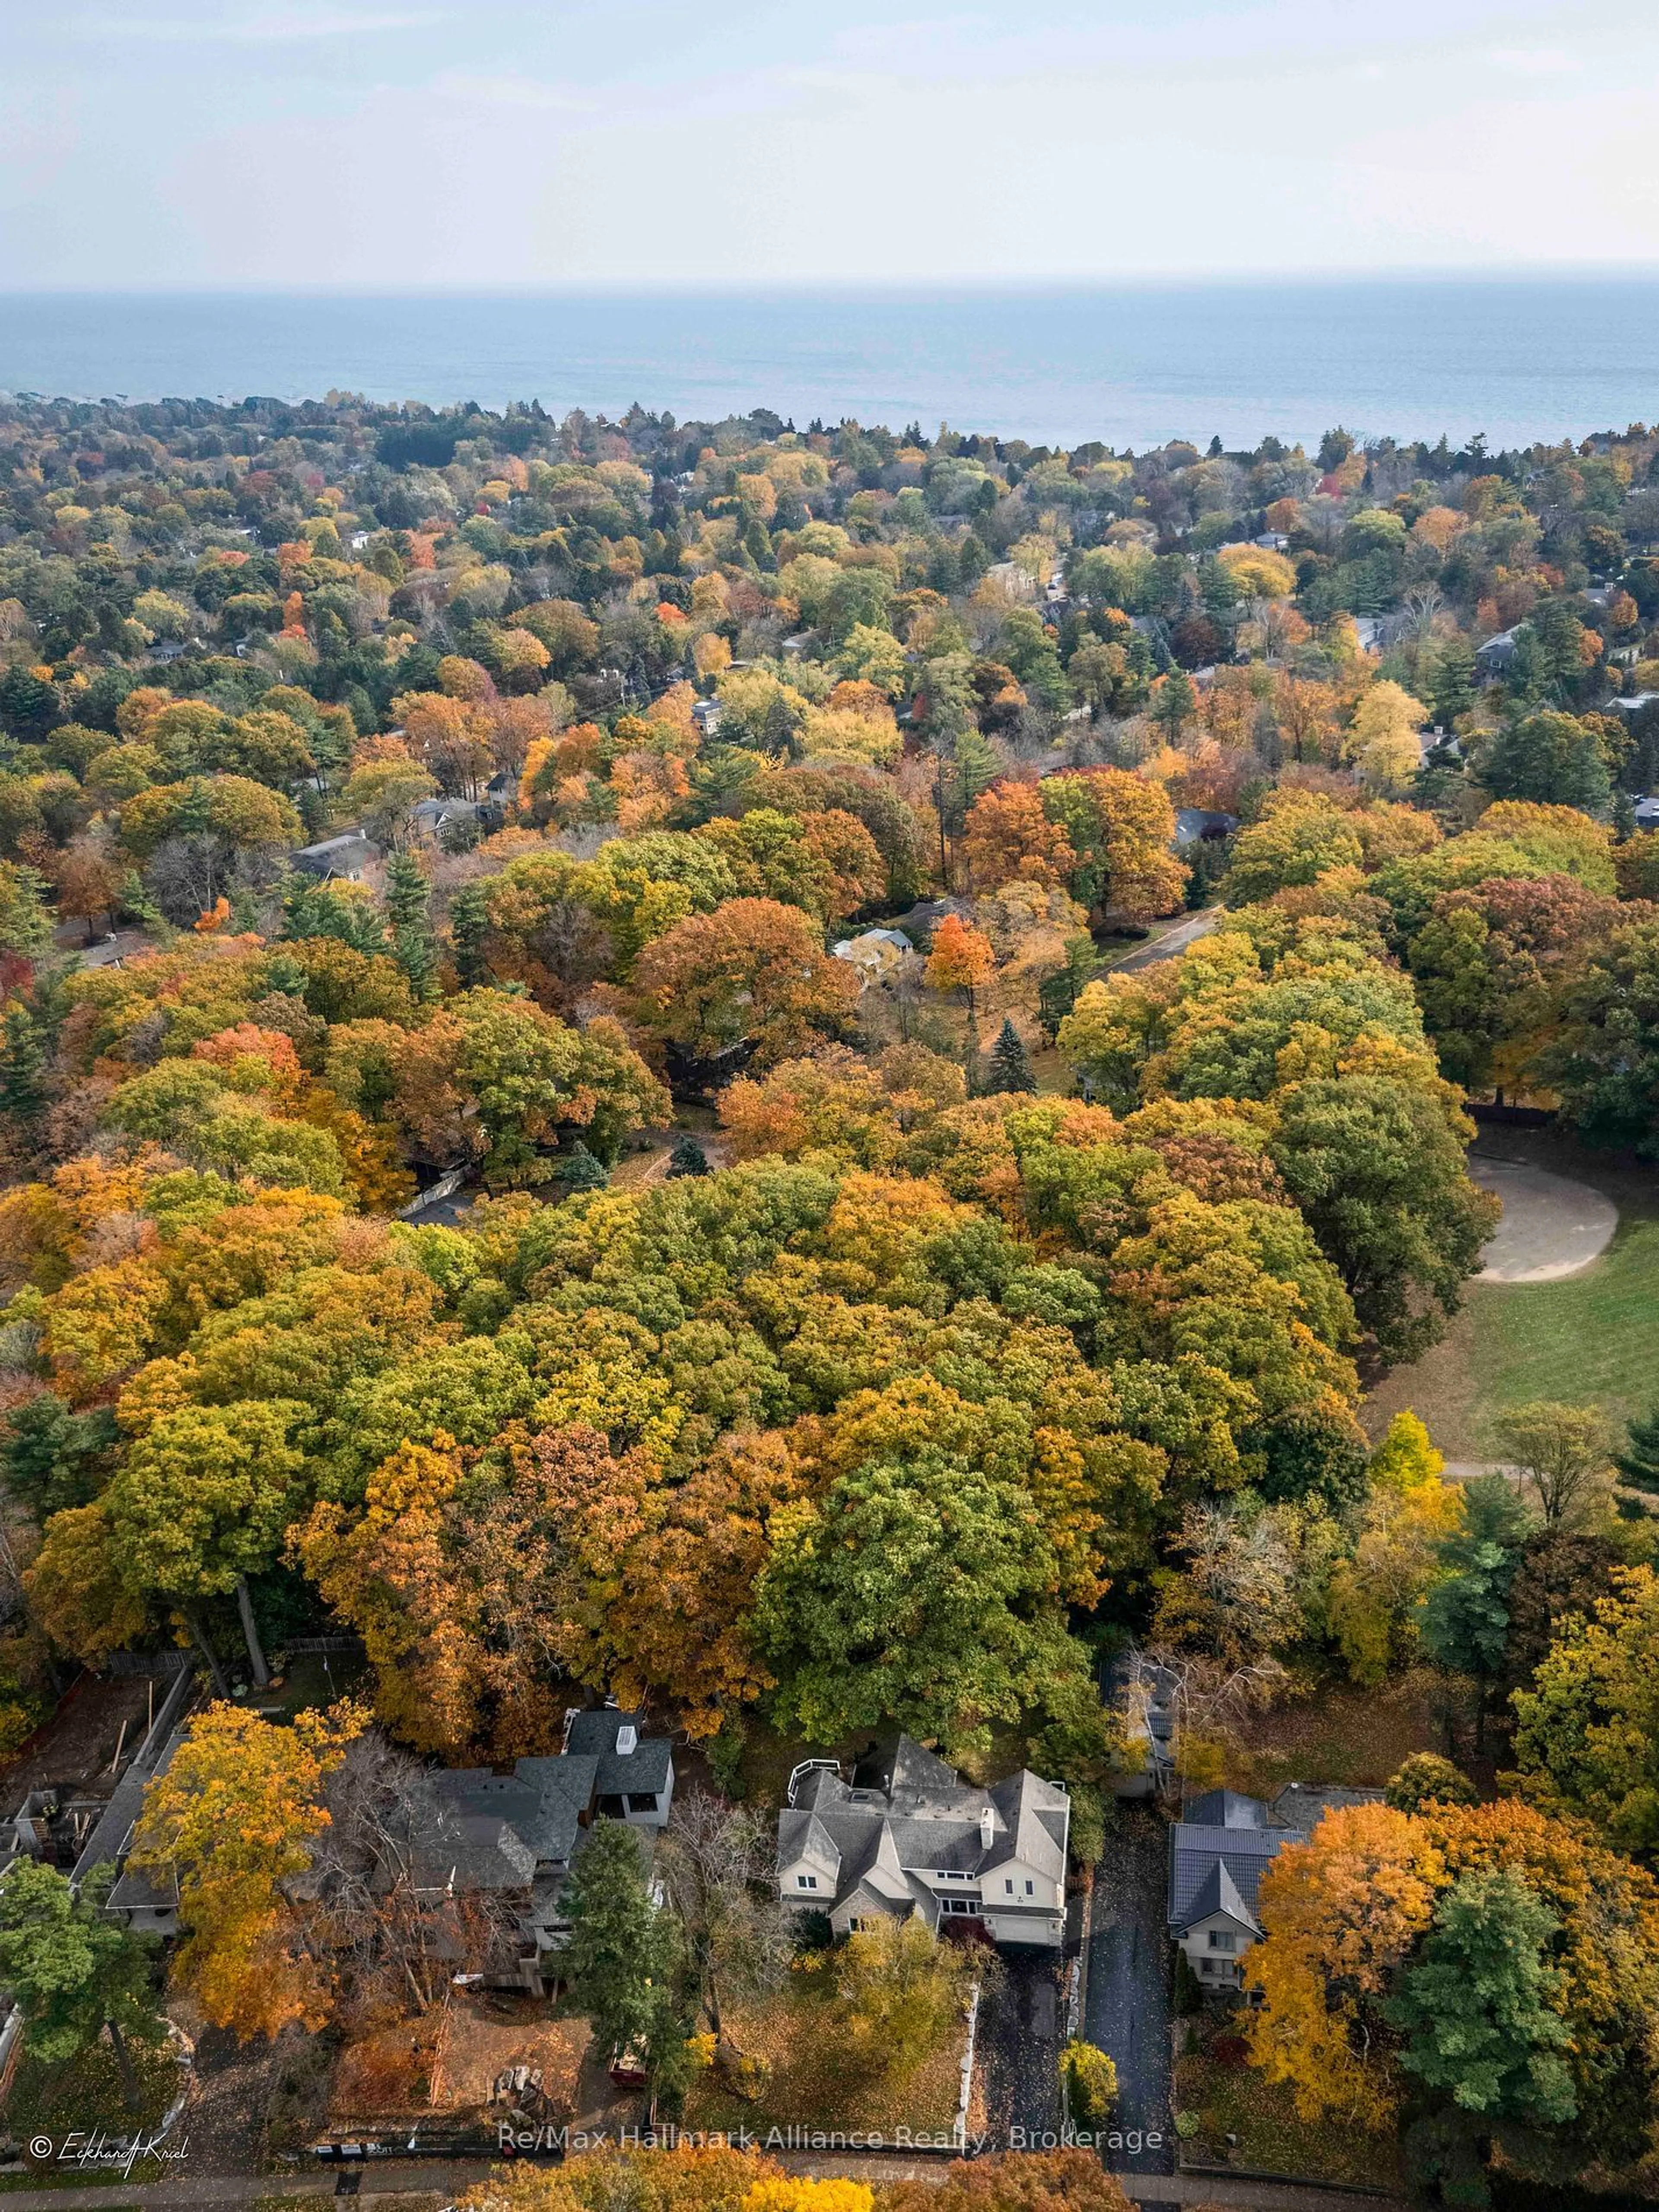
1218, 1850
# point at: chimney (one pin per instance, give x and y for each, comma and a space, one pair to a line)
987, 1829
628, 1737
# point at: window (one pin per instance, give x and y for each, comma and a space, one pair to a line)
1030, 1889
806, 1881
958, 1904
1220, 1940
641, 1800
1206, 1965
1009, 1887
948, 1874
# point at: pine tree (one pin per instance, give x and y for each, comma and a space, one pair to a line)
618, 1965
408, 905
580, 1170
1175, 703
687, 1158
73, 1971
1010, 1066
1638, 1462
469, 924
25, 1090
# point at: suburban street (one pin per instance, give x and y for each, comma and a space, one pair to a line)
1127, 2012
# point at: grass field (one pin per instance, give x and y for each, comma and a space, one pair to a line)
1591, 1338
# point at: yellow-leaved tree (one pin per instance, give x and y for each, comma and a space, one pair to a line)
232, 1818
1338, 1914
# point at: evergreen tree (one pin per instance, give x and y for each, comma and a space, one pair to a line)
620, 1963
1010, 1066
51, 1458
1466, 1618
1175, 703
25, 1087
73, 1970
409, 910
469, 925
1476, 2009
1638, 1463
313, 909
580, 1170
687, 1158
1450, 688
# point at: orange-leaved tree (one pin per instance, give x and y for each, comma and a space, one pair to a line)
753, 972
230, 1821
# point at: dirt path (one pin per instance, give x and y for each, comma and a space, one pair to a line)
1552, 1226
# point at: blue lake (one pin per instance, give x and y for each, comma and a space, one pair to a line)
1519, 359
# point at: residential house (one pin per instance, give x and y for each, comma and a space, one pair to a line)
505, 1843
1497, 656
880, 955
925, 1845
1201, 825
345, 858
1218, 1850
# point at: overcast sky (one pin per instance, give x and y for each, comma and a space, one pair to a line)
499, 142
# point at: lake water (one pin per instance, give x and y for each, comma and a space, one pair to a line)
1519, 359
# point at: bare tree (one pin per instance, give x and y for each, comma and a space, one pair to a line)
715, 1863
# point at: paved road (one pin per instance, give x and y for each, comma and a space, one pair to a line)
1127, 2014
1552, 1226
1172, 941
1019, 2039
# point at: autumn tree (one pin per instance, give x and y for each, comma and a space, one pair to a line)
1383, 741
754, 973
899, 1992
201, 1503
1564, 1454
1121, 827
1340, 1915
716, 1867
1586, 1731
1008, 836
232, 1820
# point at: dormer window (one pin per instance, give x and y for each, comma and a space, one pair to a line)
806, 1881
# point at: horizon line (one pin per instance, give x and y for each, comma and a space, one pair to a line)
798, 287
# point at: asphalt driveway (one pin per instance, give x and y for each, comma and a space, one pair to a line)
1020, 2033
1126, 2013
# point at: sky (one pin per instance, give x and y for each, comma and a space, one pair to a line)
370, 145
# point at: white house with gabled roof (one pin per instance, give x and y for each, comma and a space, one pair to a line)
925, 1844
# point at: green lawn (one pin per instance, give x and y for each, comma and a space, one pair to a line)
1594, 1336
1591, 1338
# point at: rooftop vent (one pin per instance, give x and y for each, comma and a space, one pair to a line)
627, 1738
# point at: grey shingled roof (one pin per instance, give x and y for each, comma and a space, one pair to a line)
1226, 1830
1304, 1805
644, 1770
1225, 1808
928, 1819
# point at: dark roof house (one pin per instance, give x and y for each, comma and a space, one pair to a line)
924, 1843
